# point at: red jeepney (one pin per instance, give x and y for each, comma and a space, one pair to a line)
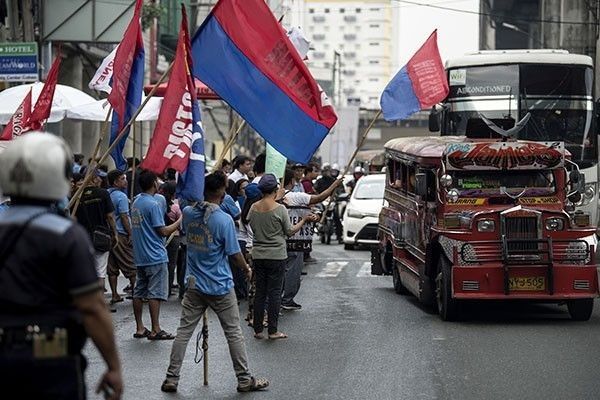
485, 220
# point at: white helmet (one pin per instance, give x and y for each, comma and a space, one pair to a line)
359, 170
335, 167
36, 166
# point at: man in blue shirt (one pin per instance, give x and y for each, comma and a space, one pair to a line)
121, 255
150, 256
211, 239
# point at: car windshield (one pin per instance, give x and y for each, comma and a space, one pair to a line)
559, 98
489, 183
369, 190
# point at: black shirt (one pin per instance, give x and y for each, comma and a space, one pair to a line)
95, 203
50, 263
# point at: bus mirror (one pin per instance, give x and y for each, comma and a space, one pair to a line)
421, 184
434, 120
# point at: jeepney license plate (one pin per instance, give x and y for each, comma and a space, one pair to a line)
529, 283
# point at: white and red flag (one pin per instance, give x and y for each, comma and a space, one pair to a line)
18, 120
177, 141
43, 105
102, 78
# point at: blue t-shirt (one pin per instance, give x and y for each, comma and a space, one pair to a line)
121, 205
148, 245
208, 246
228, 205
162, 201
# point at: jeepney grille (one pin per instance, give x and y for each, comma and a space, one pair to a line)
521, 228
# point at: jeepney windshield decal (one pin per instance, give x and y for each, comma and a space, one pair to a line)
489, 183
504, 155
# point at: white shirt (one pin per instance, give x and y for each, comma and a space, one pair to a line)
256, 179
237, 175
297, 199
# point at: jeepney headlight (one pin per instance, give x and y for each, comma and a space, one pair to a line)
452, 195
446, 180
486, 225
555, 224
581, 219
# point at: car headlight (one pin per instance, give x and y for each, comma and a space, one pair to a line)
452, 195
446, 180
352, 213
555, 224
486, 225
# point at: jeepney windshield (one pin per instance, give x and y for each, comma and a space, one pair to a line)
488, 183
559, 98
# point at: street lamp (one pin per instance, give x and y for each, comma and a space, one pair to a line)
517, 29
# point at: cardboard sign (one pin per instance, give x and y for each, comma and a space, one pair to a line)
275, 162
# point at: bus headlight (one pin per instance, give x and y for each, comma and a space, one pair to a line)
555, 224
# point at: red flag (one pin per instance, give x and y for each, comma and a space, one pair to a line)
172, 139
18, 120
122, 64
41, 111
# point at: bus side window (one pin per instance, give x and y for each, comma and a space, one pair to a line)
397, 176
411, 179
430, 185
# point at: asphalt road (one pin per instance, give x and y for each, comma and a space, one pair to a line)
357, 339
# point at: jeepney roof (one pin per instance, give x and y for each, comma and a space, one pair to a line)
428, 146
534, 56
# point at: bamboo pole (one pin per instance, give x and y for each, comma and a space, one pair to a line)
230, 142
358, 147
92, 165
121, 134
133, 167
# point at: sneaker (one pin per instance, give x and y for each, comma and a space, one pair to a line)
168, 386
292, 306
310, 260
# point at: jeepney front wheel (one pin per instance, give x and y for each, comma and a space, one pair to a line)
398, 286
580, 310
447, 306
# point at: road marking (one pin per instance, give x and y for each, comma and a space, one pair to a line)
365, 270
332, 269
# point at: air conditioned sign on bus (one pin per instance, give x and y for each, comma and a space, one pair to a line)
19, 62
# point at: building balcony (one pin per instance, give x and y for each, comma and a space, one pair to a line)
349, 72
350, 18
318, 18
350, 36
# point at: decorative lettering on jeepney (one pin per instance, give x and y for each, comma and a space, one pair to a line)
505, 155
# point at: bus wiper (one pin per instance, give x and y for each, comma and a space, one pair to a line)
514, 197
509, 133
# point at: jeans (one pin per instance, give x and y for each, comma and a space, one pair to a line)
293, 272
193, 306
269, 279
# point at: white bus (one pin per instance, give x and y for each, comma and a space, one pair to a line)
553, 85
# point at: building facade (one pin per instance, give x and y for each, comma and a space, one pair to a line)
355, 47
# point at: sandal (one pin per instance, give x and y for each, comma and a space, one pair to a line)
115, 301
278, 335
162, 335
254, 385
146, 333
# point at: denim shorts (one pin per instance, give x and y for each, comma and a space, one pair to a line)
152, 282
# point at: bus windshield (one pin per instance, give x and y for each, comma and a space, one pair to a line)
559, 98
489, 183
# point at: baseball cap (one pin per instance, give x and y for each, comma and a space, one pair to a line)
101, 173
297, 165
267, 183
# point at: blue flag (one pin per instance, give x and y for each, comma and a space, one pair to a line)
190, 185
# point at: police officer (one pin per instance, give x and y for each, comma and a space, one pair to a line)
50, 298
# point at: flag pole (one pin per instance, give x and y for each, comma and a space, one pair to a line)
358, 147
92, 165
132, 183
228, 145
121, 133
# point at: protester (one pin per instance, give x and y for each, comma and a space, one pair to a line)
226, 166
325, 180
245, 239
131, 179
358, 173
311, 172
77, 163
48, 280
121, 255
271, 225
173, 213
95, 214
241, 166
150, 256
211, 241
301, 242
298, 170
259, 167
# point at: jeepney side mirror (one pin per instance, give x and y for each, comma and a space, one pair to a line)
421, 184
434, 120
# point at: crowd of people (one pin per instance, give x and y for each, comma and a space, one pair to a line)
248, 240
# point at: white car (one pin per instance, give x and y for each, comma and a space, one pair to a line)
362, 212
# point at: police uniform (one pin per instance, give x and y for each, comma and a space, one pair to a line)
45, 260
